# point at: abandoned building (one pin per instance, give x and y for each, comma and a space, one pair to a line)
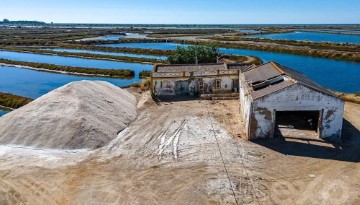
206, 80
272, 94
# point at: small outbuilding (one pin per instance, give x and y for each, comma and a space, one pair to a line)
271, 94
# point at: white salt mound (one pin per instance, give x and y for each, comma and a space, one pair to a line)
84, 114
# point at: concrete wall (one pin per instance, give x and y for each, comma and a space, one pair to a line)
245, 103
296, 98
164, 87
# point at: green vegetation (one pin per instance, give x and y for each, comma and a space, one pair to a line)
114, 73
145, 74
13, 101
194, 54
144, 85
7, 21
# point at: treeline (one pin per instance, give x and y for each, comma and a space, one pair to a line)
8, 22
8, 100
194, 55
114, 73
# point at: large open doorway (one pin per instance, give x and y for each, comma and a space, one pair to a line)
297, 124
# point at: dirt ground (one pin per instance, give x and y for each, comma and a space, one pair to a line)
188, 152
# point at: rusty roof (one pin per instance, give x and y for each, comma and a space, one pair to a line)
271, 72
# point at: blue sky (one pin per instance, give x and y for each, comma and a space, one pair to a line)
183, 11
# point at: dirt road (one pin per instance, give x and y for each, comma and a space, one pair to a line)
186, 152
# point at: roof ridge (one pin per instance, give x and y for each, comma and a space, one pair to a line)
274, 64
318, 87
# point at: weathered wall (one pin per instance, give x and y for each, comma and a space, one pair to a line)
296, 98
209, 85
164, 87
226, 83
178, 86
245, 103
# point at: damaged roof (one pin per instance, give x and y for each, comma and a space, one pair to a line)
271, 77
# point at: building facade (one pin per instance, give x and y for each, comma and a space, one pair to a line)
271, 92
195, 80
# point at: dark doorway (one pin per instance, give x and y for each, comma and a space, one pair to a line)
182, 88
297, 124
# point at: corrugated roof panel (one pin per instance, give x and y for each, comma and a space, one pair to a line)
261, 73
301, 78
270, 89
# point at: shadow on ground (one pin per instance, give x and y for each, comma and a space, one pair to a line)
177, 98
348, 150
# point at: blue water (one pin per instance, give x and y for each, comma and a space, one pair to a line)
106, 53
75, 62
33, 84
337, 75
161, 46
3, 112
312, 36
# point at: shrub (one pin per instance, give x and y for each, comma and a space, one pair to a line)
13, 101
191, 54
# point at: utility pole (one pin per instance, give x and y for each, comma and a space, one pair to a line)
196, 59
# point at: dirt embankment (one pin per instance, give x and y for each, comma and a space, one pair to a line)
187, 152
79, 115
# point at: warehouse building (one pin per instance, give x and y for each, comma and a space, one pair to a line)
272, 94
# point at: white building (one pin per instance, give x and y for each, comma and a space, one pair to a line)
270, 93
